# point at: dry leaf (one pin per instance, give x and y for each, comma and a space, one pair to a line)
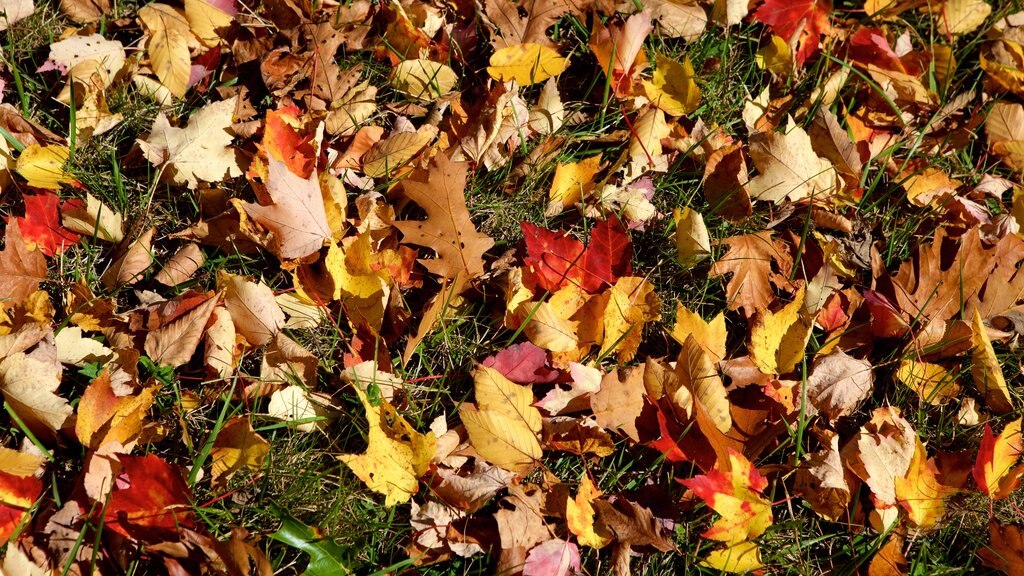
198, 152
503, 425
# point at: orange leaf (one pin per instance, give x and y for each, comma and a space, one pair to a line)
735, 494
994, 470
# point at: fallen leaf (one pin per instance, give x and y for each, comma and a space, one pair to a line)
710, 335
881, 452
750, 259
620, 400
632, 302
572, 183
93, 218
423, 80
693, 244
41, 228
179, 328
256, 315
733, 490
986, 372
21, 269
387, 156
201, 151
448, 230
790, 168
237, 446
553, 558
43, 166
800, 23
672, 88
18, 493
838, 384
962, 16
180, 268
29, 382
821, 481
580, 516
1005, 551
931, 382
995, 470
503, 425
778, 339
151, 503
130, 267
169, 34
14, 11
922, 493
104, 417
697, 373
526, 64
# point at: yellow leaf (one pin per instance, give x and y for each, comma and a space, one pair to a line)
921, 493
933, 383
237, 446
697, 373
739, 558
205, 19
526, 64
632, 302
672, 88
733, 489
396, 454
348, 282
103, 416
1004, 126
962, 16
775, 56
548, 328
1005, 64
572, 183
167, 46
43, 166
396, 150
579, 516
692, 241
986, 371
778, 339
503, 426
423, 80
710, 335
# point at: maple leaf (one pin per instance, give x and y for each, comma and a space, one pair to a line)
199, 151
448, 230
632, 302
530, 27
396, 454
104, 416
29, 383
40, 227
17, 494
553, 258
1005, 551
150, 502
881, 452
21, 269
994, 470
284, 142
526, 64
803, 21
552, 558
295, 215
733, 490
579, 516
922, 492
778, 339
749, 260
789, 167
503, 426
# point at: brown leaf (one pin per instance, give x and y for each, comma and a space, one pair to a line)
133, 263
838, 384
182, 326
750, 260
256, 314
448, 229
1005, 551
21, 270
181, 266
821, 481
521, 526
619, 402
84, 10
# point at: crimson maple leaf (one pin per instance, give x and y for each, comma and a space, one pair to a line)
806, 20
40, 226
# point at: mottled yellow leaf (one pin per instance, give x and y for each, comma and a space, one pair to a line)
423, 80
672, 88
503, 426
43, 166
579, 516
778, 339
710, 335
933, 383
572, 183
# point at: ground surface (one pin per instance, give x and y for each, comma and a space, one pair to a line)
540, 287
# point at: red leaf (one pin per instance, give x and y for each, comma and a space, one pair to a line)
523, 364
787, 18
282, 141
16, 497
869, 46
608, 256
886, 320
151, 501
552, 258
40, 227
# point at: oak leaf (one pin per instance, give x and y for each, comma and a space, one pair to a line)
198, 152
503, 425
448, 230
